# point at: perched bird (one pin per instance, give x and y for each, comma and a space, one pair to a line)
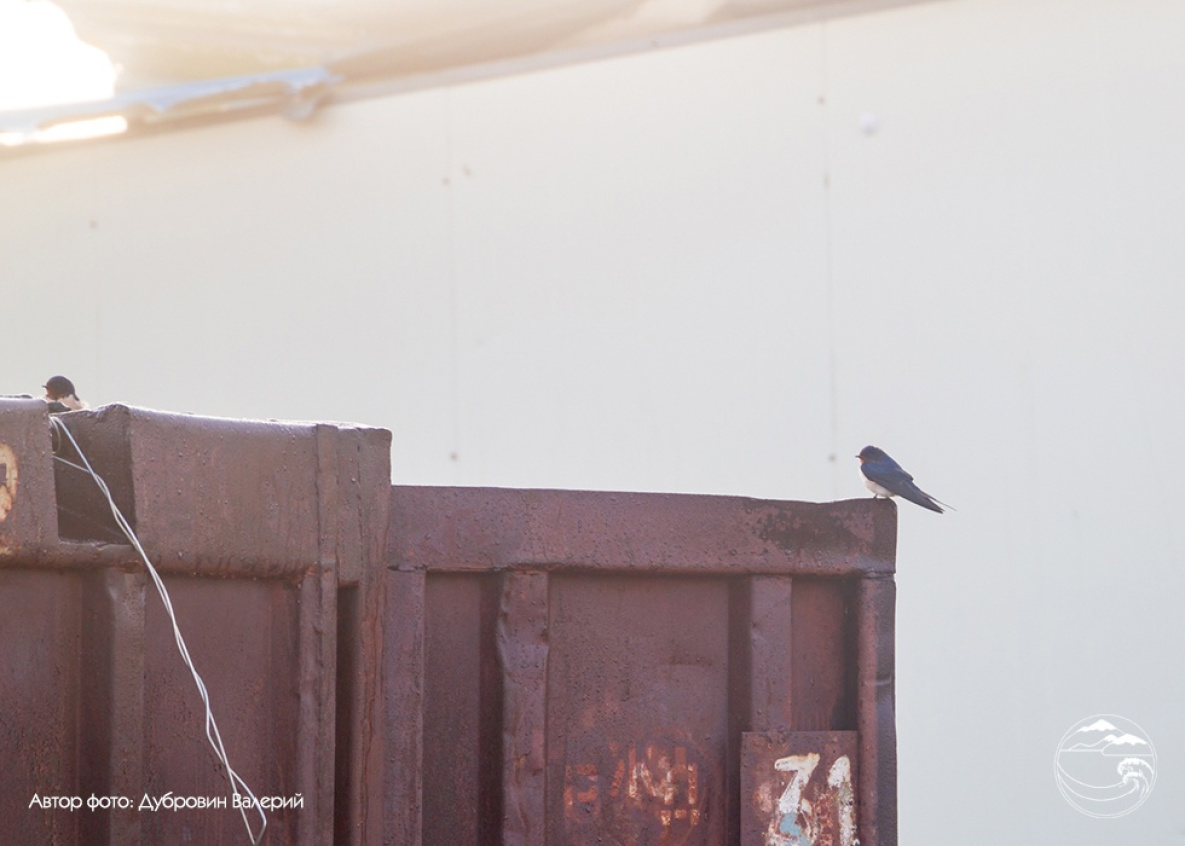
59, 391
884, 477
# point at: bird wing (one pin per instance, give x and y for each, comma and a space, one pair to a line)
890, 476
887, 474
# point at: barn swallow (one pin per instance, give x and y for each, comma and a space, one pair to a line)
59, 391
884, 477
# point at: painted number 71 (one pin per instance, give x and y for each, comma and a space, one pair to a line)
798, 822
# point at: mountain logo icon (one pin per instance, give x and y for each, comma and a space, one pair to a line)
1105, 766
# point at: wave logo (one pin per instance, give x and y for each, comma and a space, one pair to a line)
1105, 766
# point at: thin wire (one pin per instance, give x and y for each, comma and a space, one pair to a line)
212, 734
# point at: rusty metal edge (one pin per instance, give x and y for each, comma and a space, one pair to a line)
361, 511
875, 711
317, 661
112, 712
86, 555
74, 556
523, 648
482, 529
403, 704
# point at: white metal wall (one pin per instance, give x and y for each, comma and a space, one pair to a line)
952, 230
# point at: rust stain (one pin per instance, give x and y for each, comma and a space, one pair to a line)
642, 792
8, 480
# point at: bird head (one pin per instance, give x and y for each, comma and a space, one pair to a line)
871, 453
57, 387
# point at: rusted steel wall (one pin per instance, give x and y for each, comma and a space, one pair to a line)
270, 538
572, 667
429, 665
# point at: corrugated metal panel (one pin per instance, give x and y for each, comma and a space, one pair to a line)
639, 638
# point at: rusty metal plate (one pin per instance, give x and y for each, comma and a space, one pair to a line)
39, 729
462, 717
637, 727
799, 788
823, 655
221, 496
271, 540
28, 518
590, 661
243, 637
493, 528
228, 493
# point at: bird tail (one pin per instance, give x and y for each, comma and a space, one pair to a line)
938, 501
927, 502
919, 497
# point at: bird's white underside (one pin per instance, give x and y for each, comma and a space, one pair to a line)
877, 489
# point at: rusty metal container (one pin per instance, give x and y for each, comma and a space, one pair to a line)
428, 665
270, 540
570, 667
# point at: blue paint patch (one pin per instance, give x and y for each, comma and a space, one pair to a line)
788, 826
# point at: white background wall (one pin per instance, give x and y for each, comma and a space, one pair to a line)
692, 271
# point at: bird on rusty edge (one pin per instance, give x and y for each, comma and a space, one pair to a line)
885, 477
61, 396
